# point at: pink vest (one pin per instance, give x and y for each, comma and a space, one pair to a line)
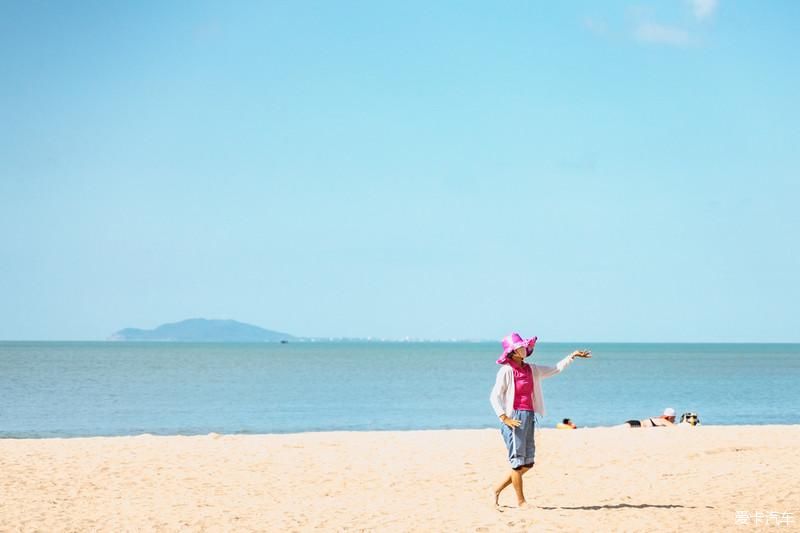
523, 386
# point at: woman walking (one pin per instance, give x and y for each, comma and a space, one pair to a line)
516, 396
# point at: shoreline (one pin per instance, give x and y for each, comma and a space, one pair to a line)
692, 479
365, 431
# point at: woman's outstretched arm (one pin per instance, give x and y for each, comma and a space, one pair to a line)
548, 371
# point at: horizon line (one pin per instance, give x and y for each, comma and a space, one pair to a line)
304, 340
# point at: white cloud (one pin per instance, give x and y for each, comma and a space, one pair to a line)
656, 33
703, 9
644, 29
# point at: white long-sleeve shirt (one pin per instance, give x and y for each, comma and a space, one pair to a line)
502, 396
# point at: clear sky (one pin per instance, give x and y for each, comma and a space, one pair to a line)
607, 171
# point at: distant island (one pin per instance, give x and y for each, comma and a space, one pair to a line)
203, 330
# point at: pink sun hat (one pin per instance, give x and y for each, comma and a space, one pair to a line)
512, 342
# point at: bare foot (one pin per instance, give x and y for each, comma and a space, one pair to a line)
496, 497
524, 505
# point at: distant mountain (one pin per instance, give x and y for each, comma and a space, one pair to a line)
202, 330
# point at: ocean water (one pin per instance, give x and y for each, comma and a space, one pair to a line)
64, 389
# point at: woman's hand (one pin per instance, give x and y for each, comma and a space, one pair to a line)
510, 422
585, 354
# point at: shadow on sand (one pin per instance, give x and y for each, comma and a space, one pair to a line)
623, 506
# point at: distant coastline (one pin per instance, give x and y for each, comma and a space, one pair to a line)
203, 330
208, 330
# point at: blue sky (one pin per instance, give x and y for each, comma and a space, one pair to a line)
616, 171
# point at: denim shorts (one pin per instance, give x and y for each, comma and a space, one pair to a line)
519, 441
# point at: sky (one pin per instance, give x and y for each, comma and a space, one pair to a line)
579, 171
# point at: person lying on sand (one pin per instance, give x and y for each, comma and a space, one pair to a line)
566, 424
665, 420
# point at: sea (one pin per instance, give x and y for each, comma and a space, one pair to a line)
76, 389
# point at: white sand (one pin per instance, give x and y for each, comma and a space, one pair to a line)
688, 479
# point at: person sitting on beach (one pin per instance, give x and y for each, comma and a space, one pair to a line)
516, 396
566, 424
690, 419
665, 420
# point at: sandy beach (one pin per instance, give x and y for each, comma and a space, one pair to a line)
678, 479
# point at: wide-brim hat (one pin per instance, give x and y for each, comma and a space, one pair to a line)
512, 342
